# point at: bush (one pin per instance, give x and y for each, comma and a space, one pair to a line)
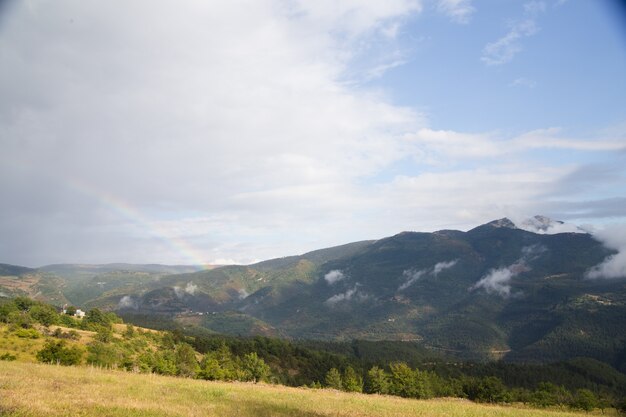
585, 400
7, 357
27, 333
57, 352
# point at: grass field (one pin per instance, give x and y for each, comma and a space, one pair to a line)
34, 390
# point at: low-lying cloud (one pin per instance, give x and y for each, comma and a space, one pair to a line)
334, 276
497, 281
614, 266
127, 302
412, 275
351, 294
189, 289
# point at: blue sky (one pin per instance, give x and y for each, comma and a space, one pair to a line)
220, 133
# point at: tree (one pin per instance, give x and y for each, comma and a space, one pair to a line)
377, 381
254, 367
104, 335
409, 383
487, 390
352, 382
94, 319
102, 354
130, 331
57, 352
585, 400
211, 369
70, 310
186, 363
333, 379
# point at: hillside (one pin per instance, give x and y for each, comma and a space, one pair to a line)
30, 390
494, 292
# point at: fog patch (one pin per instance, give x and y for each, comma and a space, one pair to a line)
180, 293
351, 294
191, 288
243, 294
127, 302
413, 275
497, 281
442, 266
614, 266
334, 276
546, 226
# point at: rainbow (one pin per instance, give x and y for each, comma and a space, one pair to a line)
124, 209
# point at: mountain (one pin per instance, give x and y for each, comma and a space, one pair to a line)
496, 291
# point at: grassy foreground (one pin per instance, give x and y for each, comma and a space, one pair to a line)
35, 390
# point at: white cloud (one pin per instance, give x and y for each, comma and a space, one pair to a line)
334, 276
351, 294
233, 121
411, 276
614, 266
127, 302
497, 281
191, 288
460, 11
442, 266
504, 49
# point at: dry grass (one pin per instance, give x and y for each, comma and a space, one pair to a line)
29, 390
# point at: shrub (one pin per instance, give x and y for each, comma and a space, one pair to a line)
27, 333
57, 352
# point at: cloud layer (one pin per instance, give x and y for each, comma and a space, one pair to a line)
238, 131
613, 237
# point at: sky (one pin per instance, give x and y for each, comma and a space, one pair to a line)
229, 132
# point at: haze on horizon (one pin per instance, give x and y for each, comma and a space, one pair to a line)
206, 132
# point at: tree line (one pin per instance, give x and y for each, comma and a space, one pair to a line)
196, 354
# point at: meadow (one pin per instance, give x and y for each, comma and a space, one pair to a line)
33, 390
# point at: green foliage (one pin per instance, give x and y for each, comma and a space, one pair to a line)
5, 310
20, 319
44, 314
377, 381
23, 303
27, 333
68, 321
104, 335
254, 368
60, 334
7, 357
585, 400
130, 331
486, 390
185, 360
95, 319
104, 354
57, 352
165, 363
352, 382
70, 310
333, 379
548, 394
406, 382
